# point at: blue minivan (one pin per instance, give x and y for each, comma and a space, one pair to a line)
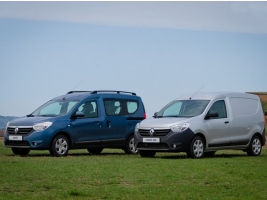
78, 120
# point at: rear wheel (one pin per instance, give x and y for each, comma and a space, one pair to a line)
20, 151
255, 146
59, 146
197, 148
95, 151
147, 154
130, 148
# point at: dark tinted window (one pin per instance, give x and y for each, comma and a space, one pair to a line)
219, 107
113, 107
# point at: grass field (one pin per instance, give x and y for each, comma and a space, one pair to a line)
115, 175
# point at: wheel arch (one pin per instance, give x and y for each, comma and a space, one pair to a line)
61, 133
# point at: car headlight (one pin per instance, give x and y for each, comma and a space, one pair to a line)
180, 127
42, 126
136, 127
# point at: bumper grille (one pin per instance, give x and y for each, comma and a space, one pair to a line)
20, 130
17, 143
158, 132
153, 146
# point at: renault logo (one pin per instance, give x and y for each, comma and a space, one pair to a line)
16, 130
151, 132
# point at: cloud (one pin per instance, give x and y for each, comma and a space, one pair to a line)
248, 17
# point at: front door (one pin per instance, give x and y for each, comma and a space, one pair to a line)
86, 129
219, 131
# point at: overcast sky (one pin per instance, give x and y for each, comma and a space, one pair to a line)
159, 50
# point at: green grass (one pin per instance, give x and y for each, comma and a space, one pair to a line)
115, 175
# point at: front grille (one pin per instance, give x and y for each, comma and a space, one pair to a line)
158, 132
17, 143
153, 146
21, 130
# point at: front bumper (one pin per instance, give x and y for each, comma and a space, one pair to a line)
34, 140
172, 142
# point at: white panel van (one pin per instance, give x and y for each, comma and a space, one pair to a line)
203, 123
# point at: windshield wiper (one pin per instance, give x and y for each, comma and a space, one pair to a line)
30, 115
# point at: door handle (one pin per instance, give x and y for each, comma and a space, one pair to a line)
108, 124
226, 122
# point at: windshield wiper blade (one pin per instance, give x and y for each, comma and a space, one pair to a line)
30, 115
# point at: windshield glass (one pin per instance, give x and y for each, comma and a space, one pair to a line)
183, 108
54, 108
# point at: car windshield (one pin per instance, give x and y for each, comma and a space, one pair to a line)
183, 108
54, 108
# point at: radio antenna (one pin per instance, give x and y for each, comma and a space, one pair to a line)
77, 85
197, 91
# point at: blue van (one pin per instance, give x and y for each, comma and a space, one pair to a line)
78, 120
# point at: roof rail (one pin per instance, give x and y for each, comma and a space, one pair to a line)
118, 92
70, 92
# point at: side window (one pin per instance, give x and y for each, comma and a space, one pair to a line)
113, 107
219, 107
89, 109
132, 106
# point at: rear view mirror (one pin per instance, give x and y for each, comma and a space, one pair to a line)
78, 114
211, 114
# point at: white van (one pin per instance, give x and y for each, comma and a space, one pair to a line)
203, 123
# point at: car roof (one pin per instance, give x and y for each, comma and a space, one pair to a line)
79, 95
214, 95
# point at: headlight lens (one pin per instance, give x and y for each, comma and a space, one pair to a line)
180, 127
42, 126
137, 127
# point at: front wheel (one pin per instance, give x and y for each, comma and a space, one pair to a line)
20, 151
130, 148
59, 146
197, 148
147, 154
255, 146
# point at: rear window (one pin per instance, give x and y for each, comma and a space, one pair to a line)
244, 106
131, 106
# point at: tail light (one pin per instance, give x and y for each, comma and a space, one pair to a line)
145, 116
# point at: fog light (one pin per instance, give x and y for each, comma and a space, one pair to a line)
174, 146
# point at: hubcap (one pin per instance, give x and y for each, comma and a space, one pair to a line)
132, 147
256, 146
198, 148
61, 146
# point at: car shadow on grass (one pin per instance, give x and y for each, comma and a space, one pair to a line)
213, 157
69, 155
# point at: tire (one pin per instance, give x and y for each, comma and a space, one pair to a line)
129, 147
95, 151
59, 146
255, 146
197, 148
20, 151
147, 154
210, 153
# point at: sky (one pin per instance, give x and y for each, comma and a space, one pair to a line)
159, 50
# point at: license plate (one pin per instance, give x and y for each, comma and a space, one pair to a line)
151, 140
18, 138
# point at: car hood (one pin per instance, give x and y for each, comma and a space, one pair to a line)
165, 122
29, 121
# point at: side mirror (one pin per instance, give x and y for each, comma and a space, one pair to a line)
78, 114
211, 114
155, 114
